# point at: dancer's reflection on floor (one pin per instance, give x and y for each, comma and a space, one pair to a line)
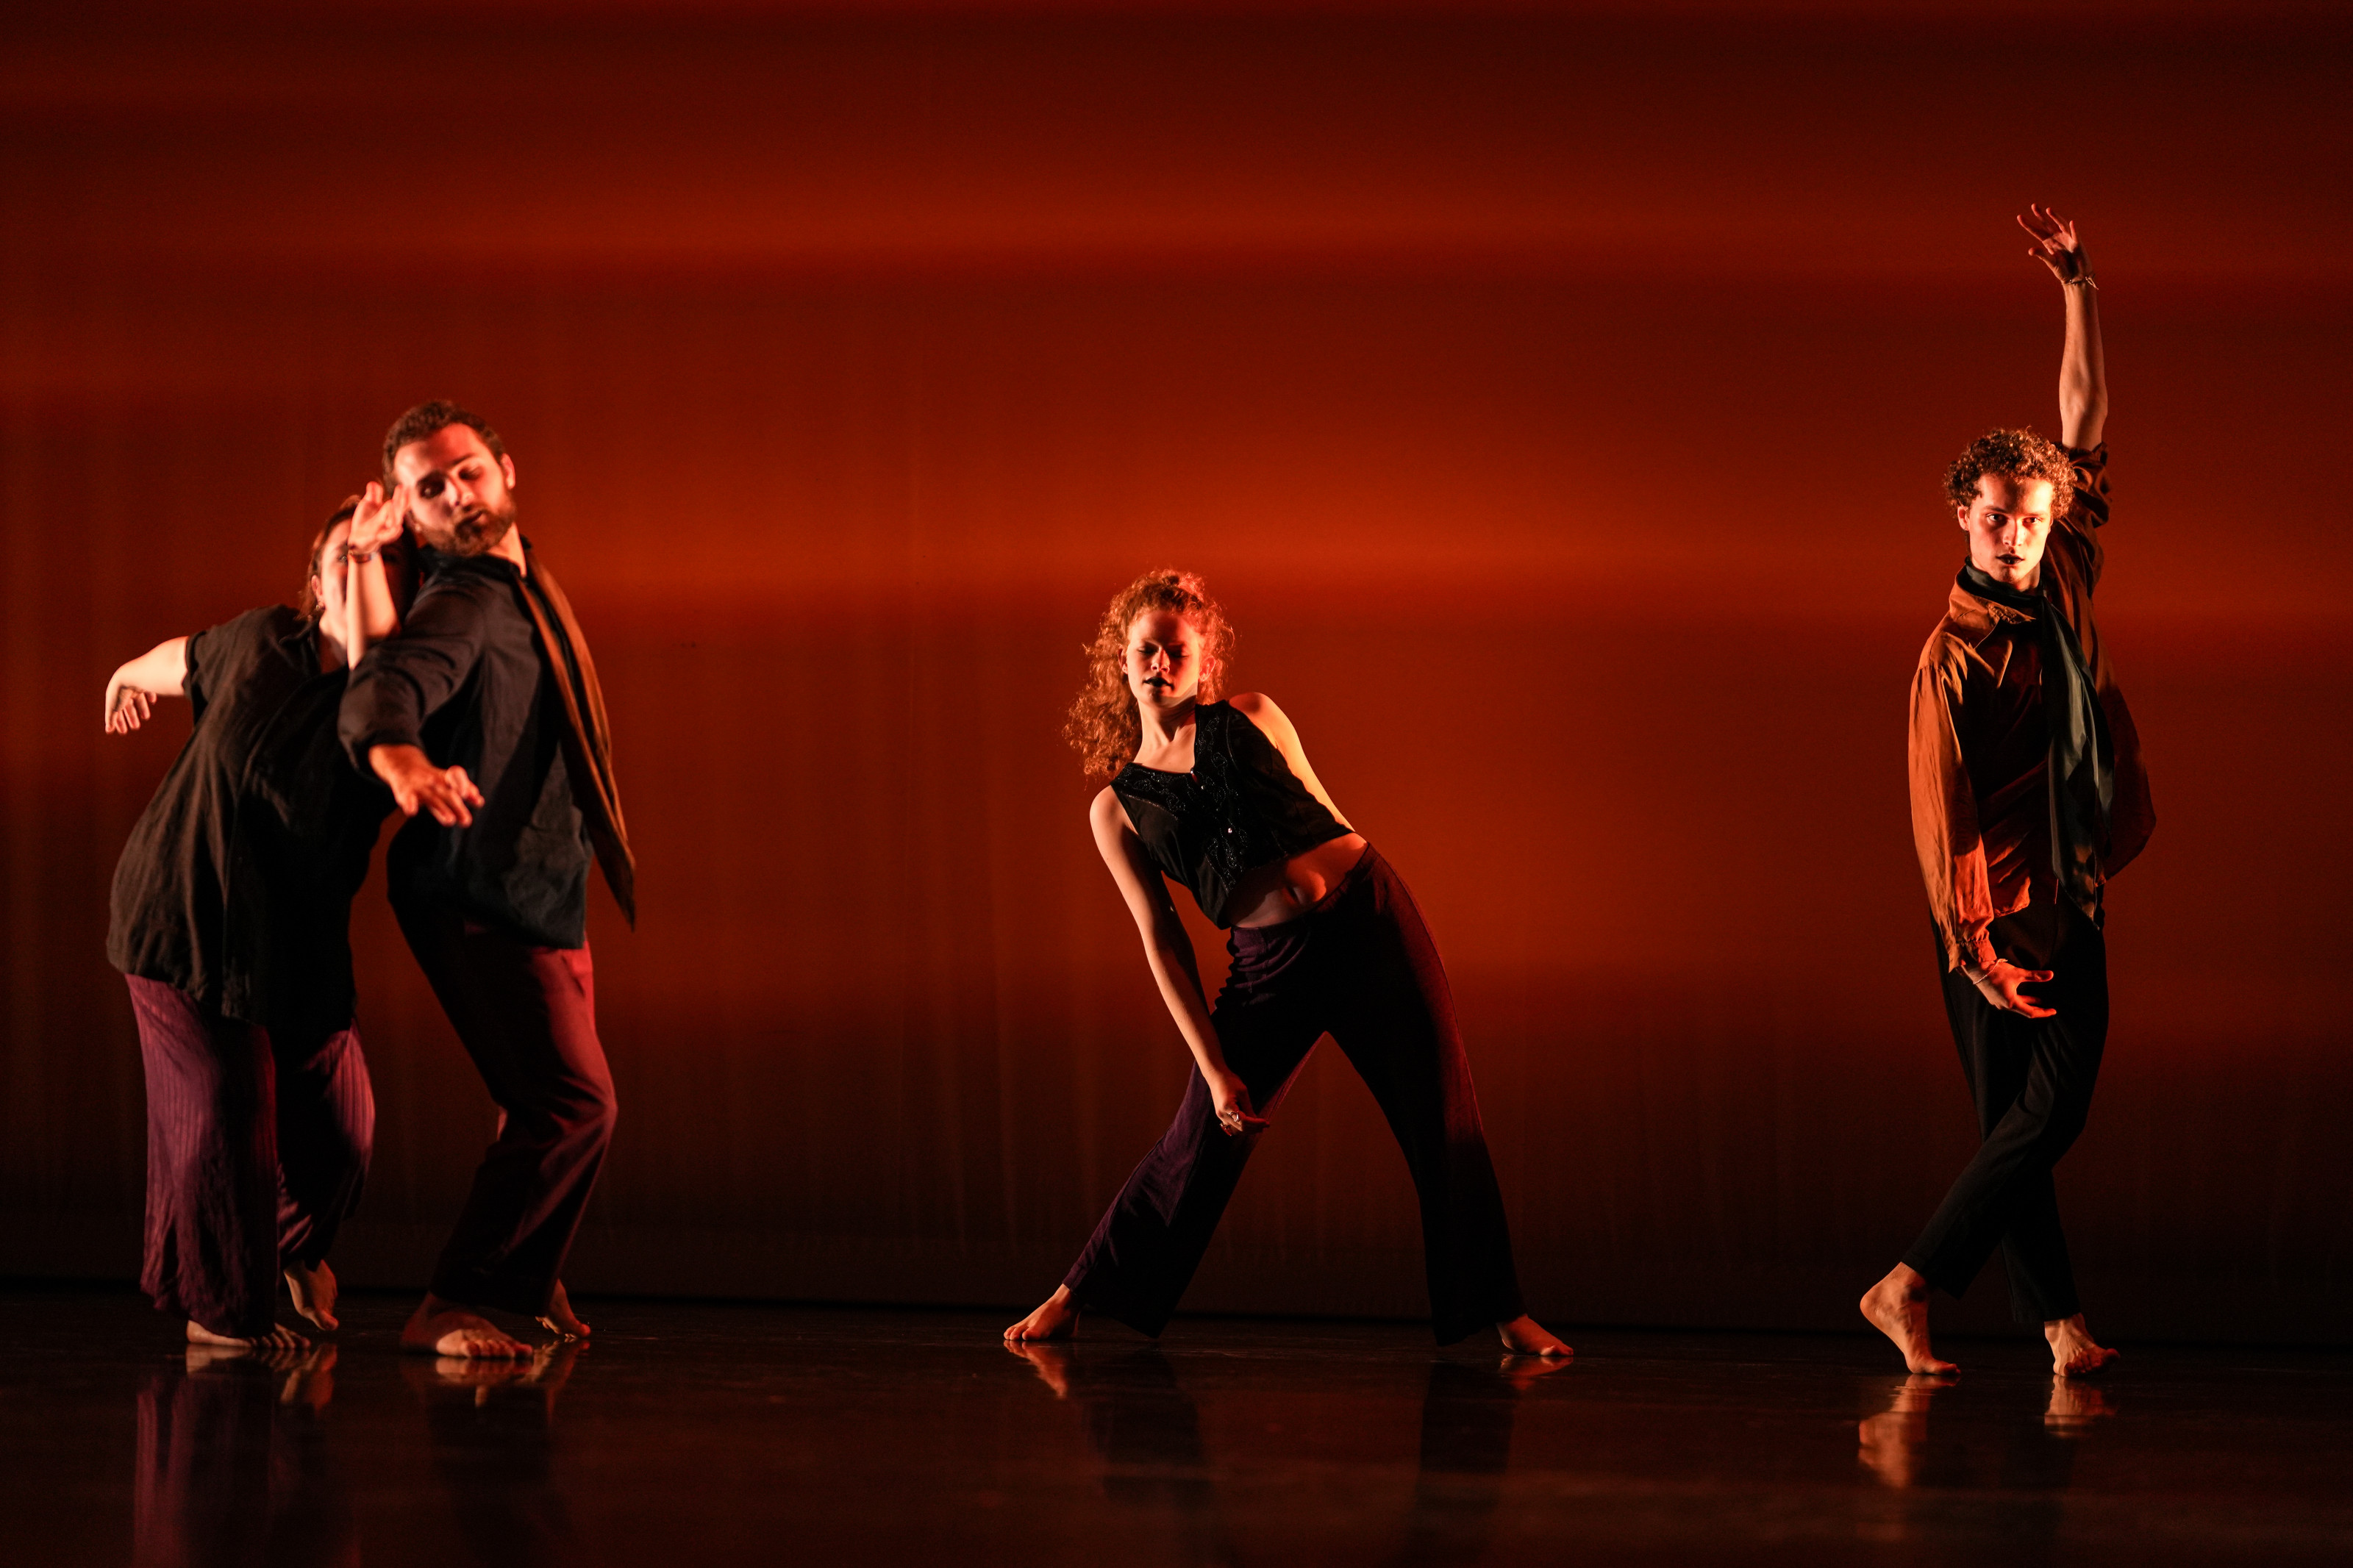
1467, 1414
1984, 1449
490, 1426
234, 1466
1147, 1432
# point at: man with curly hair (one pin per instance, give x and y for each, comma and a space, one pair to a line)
2027, 795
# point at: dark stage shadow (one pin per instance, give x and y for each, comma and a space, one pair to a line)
1146, 1431
234, 1465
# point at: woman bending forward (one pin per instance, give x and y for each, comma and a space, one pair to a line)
1219, 796
231, 923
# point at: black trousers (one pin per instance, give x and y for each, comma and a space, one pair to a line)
2031, 1079
257, 1143
1361, 965
527, 1016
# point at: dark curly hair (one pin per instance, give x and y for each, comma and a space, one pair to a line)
427, 419
2017, 455
1104, 726
308, 601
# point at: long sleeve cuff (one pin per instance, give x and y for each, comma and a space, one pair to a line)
381, 734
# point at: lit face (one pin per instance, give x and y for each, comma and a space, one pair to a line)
2008, 523
462, 496
1163, 659
333, 584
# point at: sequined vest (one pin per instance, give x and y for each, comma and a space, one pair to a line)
1241, 807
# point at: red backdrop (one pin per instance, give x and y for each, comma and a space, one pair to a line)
1559, 403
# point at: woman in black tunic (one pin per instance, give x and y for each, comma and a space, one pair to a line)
1219, 797
231, 915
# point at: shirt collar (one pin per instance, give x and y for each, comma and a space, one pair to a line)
435, 562
1977, 619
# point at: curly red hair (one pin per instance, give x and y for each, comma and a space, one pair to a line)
1104, 726
2017, 455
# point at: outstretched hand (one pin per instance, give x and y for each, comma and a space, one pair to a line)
2055, 244
2004, 986
418, 785
127, 707
380, 520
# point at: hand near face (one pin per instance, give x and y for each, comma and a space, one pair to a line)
381, 518
2055, 244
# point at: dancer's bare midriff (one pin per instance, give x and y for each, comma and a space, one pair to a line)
1288, 888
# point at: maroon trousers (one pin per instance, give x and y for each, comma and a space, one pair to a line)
1360, 964
257, 1143
528, 1017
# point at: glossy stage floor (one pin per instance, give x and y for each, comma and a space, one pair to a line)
701, 1433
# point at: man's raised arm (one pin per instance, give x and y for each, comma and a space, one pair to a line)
2082, 371
398, 686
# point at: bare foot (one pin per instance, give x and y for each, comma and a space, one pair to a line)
2072, 1352
1524, 1336
311, 1380
546, 1369
1521, 1371
1898, 1307
446, 1329
560, 1320
2074, 1407
204, 1357
279, 1339
1056, 1319
1051, 1361
313, 1286
1889, 1443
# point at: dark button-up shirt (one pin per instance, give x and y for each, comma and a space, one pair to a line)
236, 884
467, 681
1980, 752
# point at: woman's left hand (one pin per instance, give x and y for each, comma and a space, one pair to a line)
380, 520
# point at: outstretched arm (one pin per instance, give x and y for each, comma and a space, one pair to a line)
2082, 371
1170, 952
397, 687
158, 672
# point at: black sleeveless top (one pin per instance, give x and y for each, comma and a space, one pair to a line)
1241, 807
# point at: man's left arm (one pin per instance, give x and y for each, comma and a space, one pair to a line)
396, 686
2083, 369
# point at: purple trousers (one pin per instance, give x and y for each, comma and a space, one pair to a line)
257, 1143
1361, 966
528, 1017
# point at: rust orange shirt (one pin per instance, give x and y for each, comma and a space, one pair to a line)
1981, 751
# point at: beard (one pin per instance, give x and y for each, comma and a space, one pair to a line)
479, 531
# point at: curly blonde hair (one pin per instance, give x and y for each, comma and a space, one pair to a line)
1103, 727
2017, 455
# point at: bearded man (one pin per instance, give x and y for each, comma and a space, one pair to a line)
487, 723
2027, 795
